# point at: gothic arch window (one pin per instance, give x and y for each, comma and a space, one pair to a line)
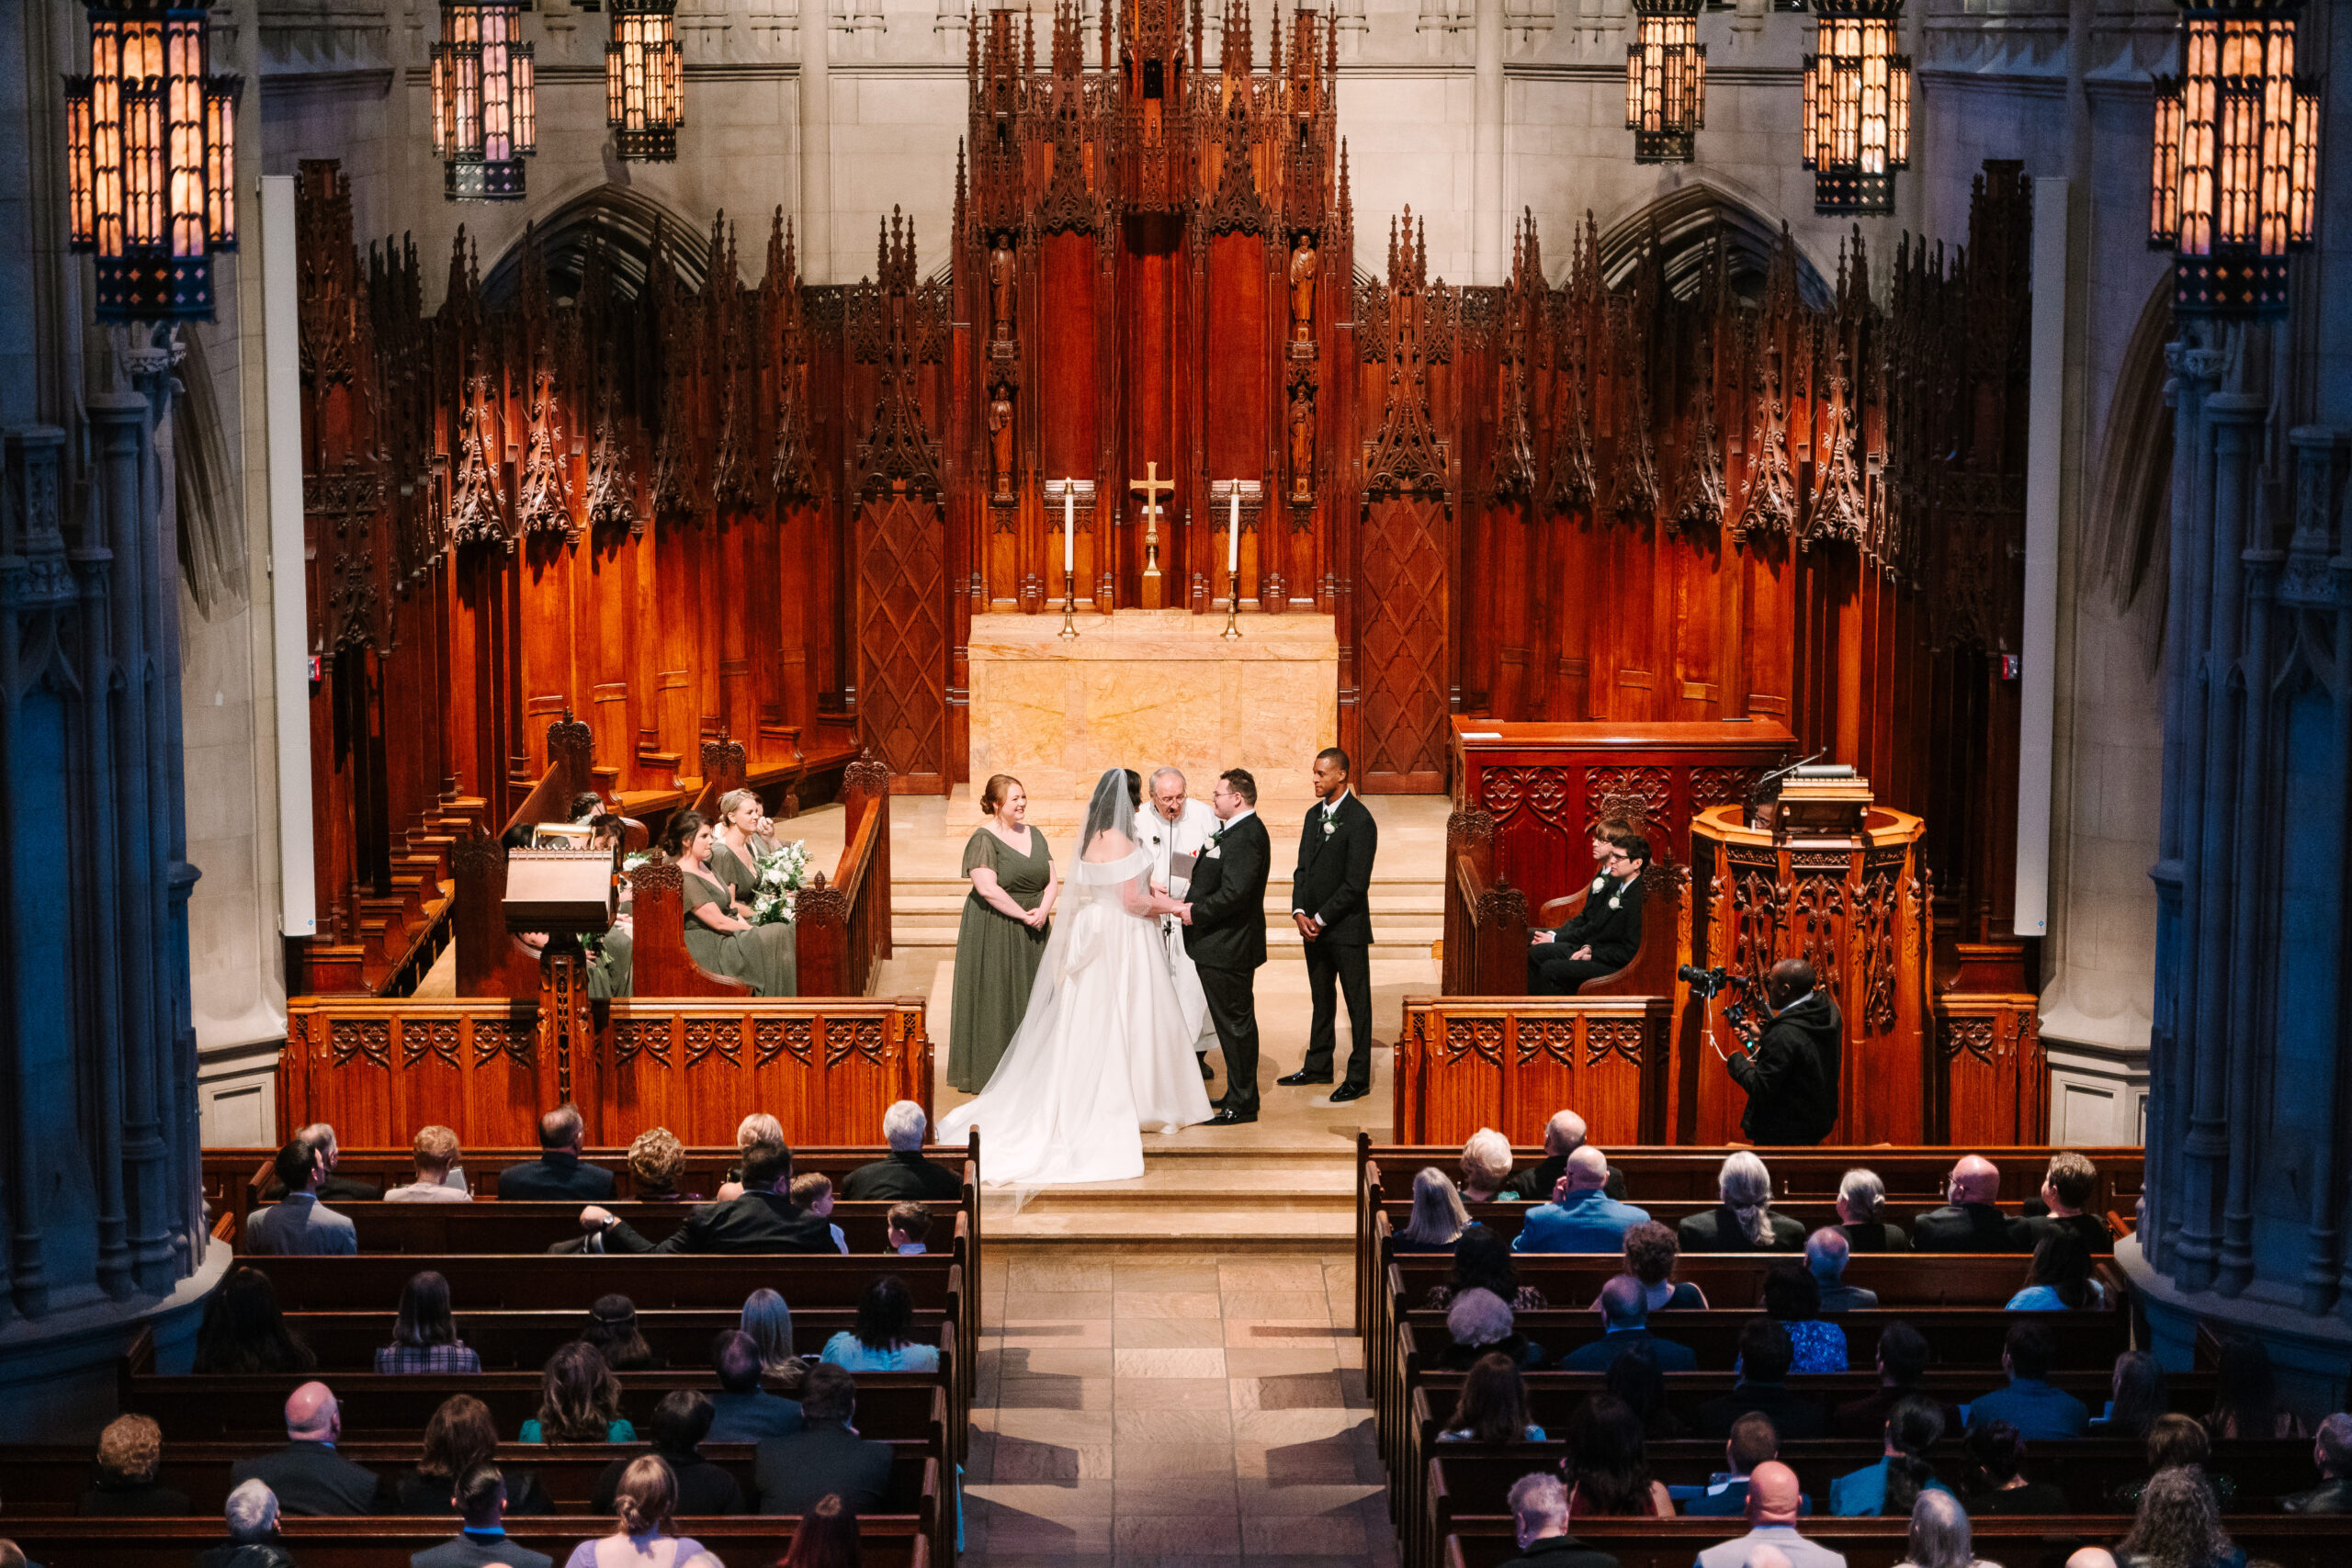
1687, 223
622, 223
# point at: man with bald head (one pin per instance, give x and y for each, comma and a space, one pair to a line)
1790, 1070
306, 1475
1972, 1221
1563, 1136
1581, 1216
2091, 1557
1625, 1307
557, 1175
1773, 1499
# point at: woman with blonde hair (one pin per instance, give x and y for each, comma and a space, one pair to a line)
656, 1160
642, 1503
1001, 940
737, 842
719, 938
1486, 1166
131, 1450
1438, 1218
1743, 1221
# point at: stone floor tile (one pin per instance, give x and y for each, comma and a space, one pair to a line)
1279, 1306
1028, 1532
1193, 1535
1079, 1499
1291, 1535
1264, 1274
1166, 1333
1094, 1334
1169, 1363
1304, 1391
1296, 1425
1171, 1426
1296, 1465
1126, 1304
1033, 1559
1055, 1273
1175, 1494
1280, 1336
1169, 1393
1136, 1461
1026, 1306
1057, 1361
1260, 1496
1019, 1461
1272, 1361
1154, 1273
1055, 1394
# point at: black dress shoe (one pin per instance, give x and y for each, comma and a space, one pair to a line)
1218, 1104
1348, 1091
1230, 1118
1207, 1072
1303, 1077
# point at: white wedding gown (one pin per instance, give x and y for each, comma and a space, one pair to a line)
1102, 1053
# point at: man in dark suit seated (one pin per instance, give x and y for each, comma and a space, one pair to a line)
763, 1220
1539, 1508
1599, 938
1825, 1251
481, 1499
2067, 1190
1563, 1136
297, 1225
740, 1412
908, 1173
1972, 1221
681, 1422
306, 1475
1765, 1356
2038, 1408
1625, 1307
1753, 1441
2332, 1452
557, 1174
1902, 1362
825, 1455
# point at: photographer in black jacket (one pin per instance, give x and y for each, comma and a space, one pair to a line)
1791, 1072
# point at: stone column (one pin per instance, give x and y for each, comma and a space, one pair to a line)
1489, 247
816, 143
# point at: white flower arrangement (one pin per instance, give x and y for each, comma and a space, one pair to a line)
631, 861
780, 874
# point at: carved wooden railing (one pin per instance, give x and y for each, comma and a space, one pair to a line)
1508, 1062
843, 925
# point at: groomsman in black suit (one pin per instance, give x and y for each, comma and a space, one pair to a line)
1225, 932
1331, 902
1599, 938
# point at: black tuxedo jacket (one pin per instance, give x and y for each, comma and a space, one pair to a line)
1614, 935
1334, 875
559, 1177
1969, 1227
313, 1479
757, 1222
1228, 897
790, 1473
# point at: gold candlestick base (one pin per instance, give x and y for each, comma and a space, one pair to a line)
1232, 629
1070, 611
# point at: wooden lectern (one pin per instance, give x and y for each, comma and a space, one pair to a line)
568, 893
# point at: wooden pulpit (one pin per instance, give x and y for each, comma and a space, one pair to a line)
568, 893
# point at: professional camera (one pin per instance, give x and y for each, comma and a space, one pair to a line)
1708, 983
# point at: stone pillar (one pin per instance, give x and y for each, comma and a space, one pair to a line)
1489, 247
816, 143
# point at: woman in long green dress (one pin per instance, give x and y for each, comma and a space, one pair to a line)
1003, 936
717, 937
734, 844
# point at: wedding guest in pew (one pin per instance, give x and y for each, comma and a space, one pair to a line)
460, 1439
656, 1161
2059, 1278
2245, 1396
1743, 1220
1793, 1299
812, 1192
131, 1450
13, 1556
643, 1506
1940, 1535
1903, 1357
757, 1131
1753, 1441
579, 1400
1438, 1219
826, 1456
557, 1175
1970, 1220
1539, 1510
1650, 1251
244, 1331
741, 1411
308, 1476
2177, 1442
1626, 1308
767, 1318
2178, 1525
425, 1335
480, 1543
2136, 1398
1902, 1473
681, 1425
826, 1537
884, 1340
1825, 1252
1482, 1261
1607, 1467
907, 1229
1637, 1378
1481, 1323
2332, 1452
1998, 1483
1765, 1355
734, 844
612, 1329
1862, 1214
1563, 1136
1492, 1406
2091, 1557
438, 1179
1773, 1499
764, 1219
906, 1171
297, 1225
718, 938
2031, 1403
1486, 1166
251, 1514
1581, 1216
332, 1188
2068, 1189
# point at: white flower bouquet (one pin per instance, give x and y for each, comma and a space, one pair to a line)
781, 874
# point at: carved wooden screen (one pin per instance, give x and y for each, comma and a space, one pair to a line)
902, 636
1401, 607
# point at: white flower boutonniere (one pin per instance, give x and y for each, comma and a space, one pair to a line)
1330, 827
1612, 903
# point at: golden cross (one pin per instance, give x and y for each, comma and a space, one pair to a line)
1151, 484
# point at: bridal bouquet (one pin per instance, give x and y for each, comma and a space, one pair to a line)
780, 874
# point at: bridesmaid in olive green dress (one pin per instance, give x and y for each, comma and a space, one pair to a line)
717, 938
1003, 936
734, 847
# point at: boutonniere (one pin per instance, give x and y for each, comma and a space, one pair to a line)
1215, 836
1612, 901
1330, 827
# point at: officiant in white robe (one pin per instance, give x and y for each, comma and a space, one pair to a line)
1173, 828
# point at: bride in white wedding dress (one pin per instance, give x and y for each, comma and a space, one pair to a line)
1102, 1052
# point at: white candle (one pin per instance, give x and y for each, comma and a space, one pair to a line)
1069, 532
1233, 546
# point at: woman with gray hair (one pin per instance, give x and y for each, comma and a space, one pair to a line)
1940, 1535
1438, 1218
1486, 1166
1743, 1220
1481, 1324
252, 1516
1862, 1201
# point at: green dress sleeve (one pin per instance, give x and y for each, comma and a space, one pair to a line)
978, 850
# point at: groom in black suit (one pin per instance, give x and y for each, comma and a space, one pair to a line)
1224, 933
1331, 902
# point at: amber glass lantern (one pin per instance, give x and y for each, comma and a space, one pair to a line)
150, 161
2234, 184
485, 102
645, 90
1666, 81
1857, 122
